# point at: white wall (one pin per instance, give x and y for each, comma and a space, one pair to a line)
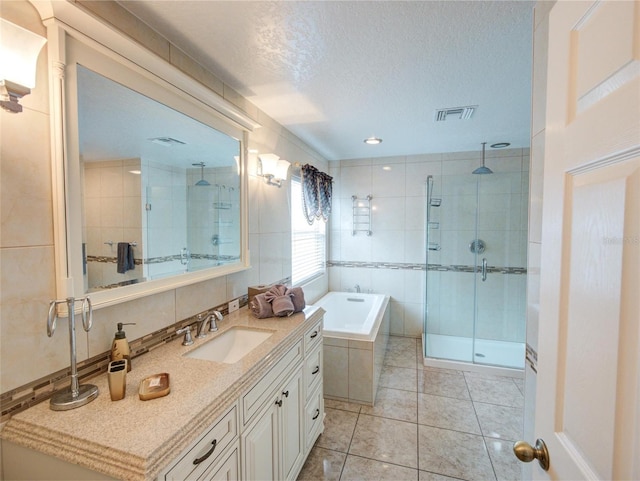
112, 213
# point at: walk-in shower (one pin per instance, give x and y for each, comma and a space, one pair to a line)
476, 238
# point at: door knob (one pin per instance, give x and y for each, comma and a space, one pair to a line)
527, 453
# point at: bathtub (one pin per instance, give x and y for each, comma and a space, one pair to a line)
356, 331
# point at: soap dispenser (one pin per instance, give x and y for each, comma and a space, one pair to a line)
120, 347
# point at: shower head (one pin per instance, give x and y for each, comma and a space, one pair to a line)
483, 169
201, 182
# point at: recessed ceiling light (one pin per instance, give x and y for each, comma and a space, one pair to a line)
386, 167
500, 145
135, 172
373, 141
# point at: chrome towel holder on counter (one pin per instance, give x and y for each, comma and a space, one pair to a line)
75, 395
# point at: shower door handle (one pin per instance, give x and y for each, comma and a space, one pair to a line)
484, 269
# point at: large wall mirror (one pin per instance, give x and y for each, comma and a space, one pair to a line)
160, 190
154, 183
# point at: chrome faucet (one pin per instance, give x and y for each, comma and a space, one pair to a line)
202, 321
357, 288
213, 318
210, 319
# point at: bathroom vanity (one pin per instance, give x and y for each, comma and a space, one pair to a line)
257, 418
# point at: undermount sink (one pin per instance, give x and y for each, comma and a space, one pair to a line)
230, 346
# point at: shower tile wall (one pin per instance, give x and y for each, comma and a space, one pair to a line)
166, 223
213, 213
397, 185
112, 213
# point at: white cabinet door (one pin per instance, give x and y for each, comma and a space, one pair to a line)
291, 430
273, 445
260, 447
588, 384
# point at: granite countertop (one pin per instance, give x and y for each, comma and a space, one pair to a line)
134, 440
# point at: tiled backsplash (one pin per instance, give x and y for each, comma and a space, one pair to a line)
23, 397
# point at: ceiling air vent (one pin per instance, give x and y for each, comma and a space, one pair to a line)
459, 113
167, 141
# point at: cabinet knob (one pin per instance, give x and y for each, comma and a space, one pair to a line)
285, 393
279, 403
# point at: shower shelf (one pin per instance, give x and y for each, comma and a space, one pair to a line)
361, 215
222, 205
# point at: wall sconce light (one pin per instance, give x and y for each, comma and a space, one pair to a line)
273, 169
19, 50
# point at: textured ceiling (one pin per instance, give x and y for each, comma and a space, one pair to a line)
337, 72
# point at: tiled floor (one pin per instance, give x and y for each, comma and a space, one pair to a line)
427, 425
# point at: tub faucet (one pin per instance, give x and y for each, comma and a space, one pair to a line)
357, 288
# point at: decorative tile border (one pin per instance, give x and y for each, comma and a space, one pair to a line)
431, 267
30, 394
160, 260
110, 260
532, 358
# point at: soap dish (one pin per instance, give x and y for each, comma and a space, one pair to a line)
154, 386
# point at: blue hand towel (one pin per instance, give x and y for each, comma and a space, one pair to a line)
125, 257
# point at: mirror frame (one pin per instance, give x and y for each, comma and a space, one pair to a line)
69, 28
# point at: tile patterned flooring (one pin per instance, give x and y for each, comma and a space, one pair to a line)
427, 424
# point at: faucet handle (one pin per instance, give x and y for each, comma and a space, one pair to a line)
188, 340
213, 325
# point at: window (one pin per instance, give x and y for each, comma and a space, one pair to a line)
308, 242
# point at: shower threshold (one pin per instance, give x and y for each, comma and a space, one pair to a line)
488, 352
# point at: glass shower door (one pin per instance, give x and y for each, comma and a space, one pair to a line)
450, 286
500, 280
476, 234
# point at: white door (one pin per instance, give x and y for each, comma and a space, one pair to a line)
588, 384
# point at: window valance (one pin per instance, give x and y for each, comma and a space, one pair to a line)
316, 193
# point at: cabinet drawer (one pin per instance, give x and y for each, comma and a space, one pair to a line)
313, 370
227, 470
256, 397
194, 461
313, 419
312, 337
